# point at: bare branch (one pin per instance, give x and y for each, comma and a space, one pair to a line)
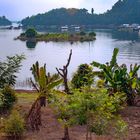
64, 73
59, 72
69, 58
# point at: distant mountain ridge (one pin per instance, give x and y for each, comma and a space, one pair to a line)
4, 21
123, 11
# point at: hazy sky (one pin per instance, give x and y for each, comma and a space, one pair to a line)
18, 9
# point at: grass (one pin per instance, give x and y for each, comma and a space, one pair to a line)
26, 98
59, 37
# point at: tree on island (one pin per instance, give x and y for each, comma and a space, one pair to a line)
31, 33
92, 11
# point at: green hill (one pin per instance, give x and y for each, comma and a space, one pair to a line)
123, 11
4, 21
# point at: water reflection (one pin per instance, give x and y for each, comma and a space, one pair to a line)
31, 44
122, 35
119, 35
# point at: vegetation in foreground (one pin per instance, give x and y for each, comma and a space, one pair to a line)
90, 103
32, 36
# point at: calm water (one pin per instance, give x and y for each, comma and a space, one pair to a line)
56, 54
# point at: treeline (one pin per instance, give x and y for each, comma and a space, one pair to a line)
123, 11
4, 21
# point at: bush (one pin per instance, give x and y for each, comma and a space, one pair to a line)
92, 34
82, 33
14, 125
31, 33
92, 107
83, 77
8, 98
22, 34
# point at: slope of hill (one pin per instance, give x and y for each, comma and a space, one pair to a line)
4, 21
123, 11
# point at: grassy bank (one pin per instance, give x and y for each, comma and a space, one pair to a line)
57, 37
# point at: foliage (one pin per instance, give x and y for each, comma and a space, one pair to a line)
31, 33
82, 33
92, 34
8, 98
8, 70
94, 105
83, 77
44, 82
14, 125
62, 16
56, 37
118, 79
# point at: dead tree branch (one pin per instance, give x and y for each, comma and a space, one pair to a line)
63, 72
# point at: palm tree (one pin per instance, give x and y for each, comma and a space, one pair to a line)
44, 83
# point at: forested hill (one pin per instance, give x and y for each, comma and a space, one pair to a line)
123, 11
4, 21
60, 16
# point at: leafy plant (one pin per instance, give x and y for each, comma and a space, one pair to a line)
44, 82
118, 79
8, 98
14, 125
8, 70
92, 34
31, 33
93, 105
82, 33
83, 77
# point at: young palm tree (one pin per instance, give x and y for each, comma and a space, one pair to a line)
44, 83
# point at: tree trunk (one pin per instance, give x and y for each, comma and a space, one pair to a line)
43, 101
33, 119
66, 133
66, 86
130, 100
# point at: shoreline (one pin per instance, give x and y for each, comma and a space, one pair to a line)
25, 90
58, 37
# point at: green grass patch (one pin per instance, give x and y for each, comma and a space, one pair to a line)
24, 97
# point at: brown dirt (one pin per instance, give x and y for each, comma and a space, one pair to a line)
51, 129
132, 116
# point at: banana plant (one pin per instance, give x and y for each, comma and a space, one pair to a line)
117, 78
44, 82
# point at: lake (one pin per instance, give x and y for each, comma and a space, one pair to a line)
55, 54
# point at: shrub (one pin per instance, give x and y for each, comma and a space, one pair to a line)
82, 33
83, 77
8, 97
14, 125
92, 34
92, 107
8, 69
31, 33
22, 34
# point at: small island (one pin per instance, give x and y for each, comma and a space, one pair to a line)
33, 35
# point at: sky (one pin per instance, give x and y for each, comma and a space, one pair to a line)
19, 9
